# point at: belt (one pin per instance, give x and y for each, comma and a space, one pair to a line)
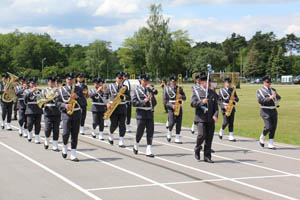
144, 108
21, 99
172, 101
50, 104
225, 104
121, 103
76, 109
268, 107
32, 102
100, 104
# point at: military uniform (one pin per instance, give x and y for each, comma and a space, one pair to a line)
6, 108
269, 113
224, 98
71, 123
204, 119
170, 93
83, 87
118, 117
144, 116
33, 113
98, 109
128, 104
52, 117
15, 108
22, 108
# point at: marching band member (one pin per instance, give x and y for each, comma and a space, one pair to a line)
118, 117
206, 114
170, 96
59, 83
33, 111
144, 100
224, 98
128, 103
71, 120
6, 106
84, 88
268, 99
22, 106
98, 106
51, 115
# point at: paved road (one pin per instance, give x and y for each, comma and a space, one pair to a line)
242, 170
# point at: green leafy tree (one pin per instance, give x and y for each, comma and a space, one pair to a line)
198, 59
158, 50
97, 57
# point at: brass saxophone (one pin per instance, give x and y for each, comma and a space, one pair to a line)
231, 103
72, 101
120, 97
10, 94
178, 102
49, 96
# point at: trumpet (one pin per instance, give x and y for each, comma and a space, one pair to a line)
151, 87
36, 94
276, 101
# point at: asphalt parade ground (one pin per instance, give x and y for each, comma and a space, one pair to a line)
242, 169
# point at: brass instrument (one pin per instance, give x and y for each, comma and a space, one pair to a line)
49, 96
72, 101
178, 102
10, 94
120, 97
231, 103
276, 101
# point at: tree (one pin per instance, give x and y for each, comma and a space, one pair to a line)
198, 59
181, 47
97, 57
158, 49
253, 66
132, 54
231, 47
278, 64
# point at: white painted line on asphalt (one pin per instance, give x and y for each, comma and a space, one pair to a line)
230, 159
185, 182
213, 174
248, 149
196, 169
61, 177
135, 174
139, 176
121, 187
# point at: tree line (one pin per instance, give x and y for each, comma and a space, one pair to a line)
153, 49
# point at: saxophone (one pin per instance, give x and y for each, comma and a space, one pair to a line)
231, 103
178, 102
120, 97
10, 94
49, 96
72, 101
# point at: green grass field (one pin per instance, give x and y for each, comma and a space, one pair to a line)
247, 120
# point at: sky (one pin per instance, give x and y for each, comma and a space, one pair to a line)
83, 21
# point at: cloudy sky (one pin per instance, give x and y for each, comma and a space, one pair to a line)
83, 21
